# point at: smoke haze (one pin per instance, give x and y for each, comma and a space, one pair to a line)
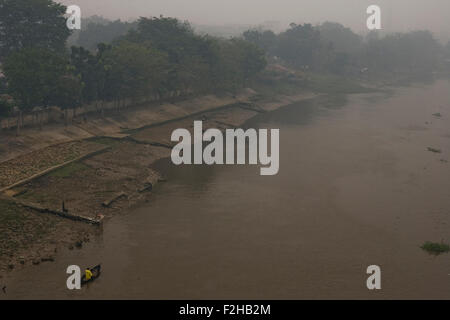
397, 15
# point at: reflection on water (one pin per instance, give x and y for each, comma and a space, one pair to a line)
356, 187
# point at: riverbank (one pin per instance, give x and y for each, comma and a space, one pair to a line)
101, 175
357, 186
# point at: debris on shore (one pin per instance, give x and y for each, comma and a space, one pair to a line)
109, 202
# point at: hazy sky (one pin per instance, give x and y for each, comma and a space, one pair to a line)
398, 15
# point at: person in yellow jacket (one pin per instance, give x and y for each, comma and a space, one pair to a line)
88, 274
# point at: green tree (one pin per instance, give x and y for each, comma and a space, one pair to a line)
238, 62
67, 93
188, 54
32, 75
39, 78
266, 40
131, 70
343, 39
103, 32
31, 23
6, 105
86, 67
299, 45
414, 52
167, 34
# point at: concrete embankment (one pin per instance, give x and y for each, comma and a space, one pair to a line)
112, 124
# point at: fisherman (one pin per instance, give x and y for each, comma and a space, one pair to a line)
88, 274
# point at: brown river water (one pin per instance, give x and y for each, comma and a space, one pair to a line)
356, 187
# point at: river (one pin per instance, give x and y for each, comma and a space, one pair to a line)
356, 187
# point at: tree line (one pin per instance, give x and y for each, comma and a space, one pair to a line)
160, 57
331, 47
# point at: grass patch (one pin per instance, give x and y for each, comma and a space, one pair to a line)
332, 101
105, 141
19, 228
37, 197
434, 150
435, 247
69, 170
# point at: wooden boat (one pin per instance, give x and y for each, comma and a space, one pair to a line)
95, 274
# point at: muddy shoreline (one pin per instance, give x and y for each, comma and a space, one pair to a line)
358, 186
105, 184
